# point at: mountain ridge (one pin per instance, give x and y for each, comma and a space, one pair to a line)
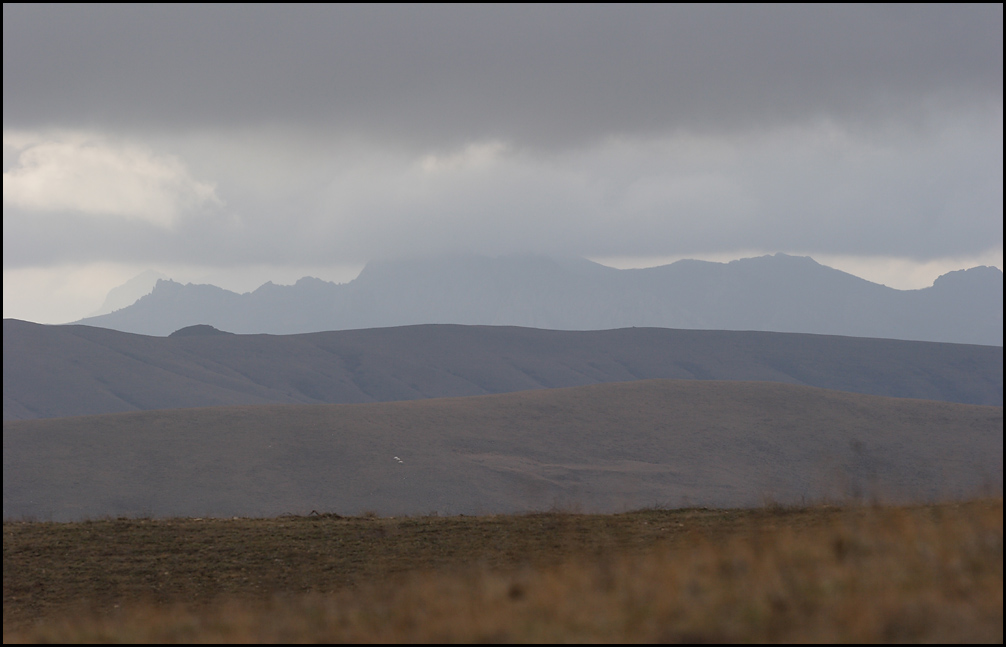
777, 293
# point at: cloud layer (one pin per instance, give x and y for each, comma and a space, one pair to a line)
235, 137
817, 189
538, 76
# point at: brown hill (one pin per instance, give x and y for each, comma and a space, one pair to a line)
54, 371
597, 448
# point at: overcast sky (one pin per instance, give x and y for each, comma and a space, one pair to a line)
236, 145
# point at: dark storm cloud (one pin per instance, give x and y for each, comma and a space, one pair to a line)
534, 76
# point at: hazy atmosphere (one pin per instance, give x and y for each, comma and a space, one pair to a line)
237, 145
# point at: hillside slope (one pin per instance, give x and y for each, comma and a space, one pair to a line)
54, 371
603, 447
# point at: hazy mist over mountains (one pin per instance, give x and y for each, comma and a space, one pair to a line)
771, 293
129, 292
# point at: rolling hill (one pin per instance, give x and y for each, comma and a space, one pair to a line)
56, 371
604, 447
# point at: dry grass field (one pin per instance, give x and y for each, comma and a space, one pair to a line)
855, 573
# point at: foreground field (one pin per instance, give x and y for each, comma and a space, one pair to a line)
924, 573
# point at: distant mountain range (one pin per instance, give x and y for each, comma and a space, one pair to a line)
771, 293
58, 371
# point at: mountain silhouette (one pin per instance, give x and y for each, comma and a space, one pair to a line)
770, 293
